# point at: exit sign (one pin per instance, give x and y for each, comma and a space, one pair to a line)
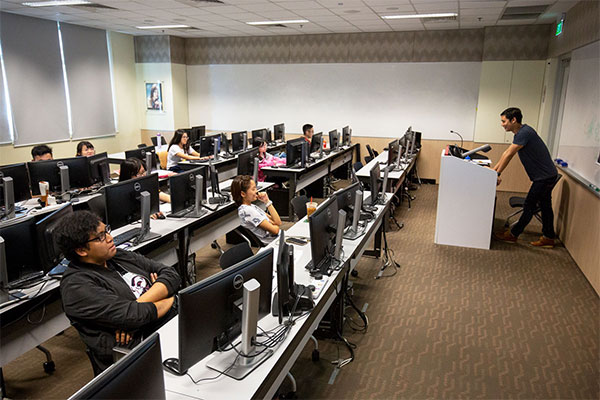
559, 27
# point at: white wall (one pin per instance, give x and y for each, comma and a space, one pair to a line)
375, 99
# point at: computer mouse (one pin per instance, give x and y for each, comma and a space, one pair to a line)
317, 275
160, 215
172, 366
312, 288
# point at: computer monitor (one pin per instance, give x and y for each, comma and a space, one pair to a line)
260, 134
196, 132
122, 200
154, 139
140, 154
209, 313
21, 248
207, 145
316, 142
99, 168
245, 162
224, 143
279, 132
293, 151
393, 148
346, 136
322, 225
139, 374
237, 141
20, 177
79, 173
182, 188
333, 139
374, 176
49, 253
346, 200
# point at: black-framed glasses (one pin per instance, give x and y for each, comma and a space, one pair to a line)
102, 235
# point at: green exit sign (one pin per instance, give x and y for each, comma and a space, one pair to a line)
559, 27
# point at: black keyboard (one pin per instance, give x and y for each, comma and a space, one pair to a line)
26, 279
226, 189
126, 236
182, 213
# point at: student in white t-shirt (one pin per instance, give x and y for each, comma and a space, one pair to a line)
265, 225
179, 149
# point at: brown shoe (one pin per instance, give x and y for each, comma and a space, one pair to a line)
544, 242
506, 236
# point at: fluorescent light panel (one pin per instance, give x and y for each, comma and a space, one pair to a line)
409, 16
291, 21
55, 3
163, 27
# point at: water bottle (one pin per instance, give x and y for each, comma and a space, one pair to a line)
159, 141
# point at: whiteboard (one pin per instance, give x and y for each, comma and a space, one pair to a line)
380, 100
579, 142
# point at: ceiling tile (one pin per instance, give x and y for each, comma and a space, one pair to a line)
481, 11
482, 4
437, 7
393, 8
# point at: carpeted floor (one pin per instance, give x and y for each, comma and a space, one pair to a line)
511, 322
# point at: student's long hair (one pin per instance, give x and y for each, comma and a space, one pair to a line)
241, 183
177, 140
130, 168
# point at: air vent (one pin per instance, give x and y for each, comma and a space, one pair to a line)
96, 6
525, 12
199, 2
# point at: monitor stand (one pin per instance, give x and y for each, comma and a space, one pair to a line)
228, 362
9, 197
352, 233
198, 210
145, 233
65, 184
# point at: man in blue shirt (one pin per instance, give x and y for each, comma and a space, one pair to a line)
538, 164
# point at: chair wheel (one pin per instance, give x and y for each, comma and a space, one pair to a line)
354, 273
213, 245
49, 367
315, 355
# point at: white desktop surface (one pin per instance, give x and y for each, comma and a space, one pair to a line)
364, 172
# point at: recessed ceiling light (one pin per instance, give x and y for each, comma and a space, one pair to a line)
291, 21
163, 27
351, 11
392, 8
408, 16
55, 3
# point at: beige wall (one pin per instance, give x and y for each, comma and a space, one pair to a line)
128, 122
577, 214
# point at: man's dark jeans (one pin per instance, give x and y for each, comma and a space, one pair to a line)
540, 194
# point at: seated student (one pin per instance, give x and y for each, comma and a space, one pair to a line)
85, 148
265, 225
308, 132
41, 153
179, 148
265, 159
134, 168
111, 296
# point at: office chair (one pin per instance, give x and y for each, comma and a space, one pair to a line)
518, 202
234, 255
250, 238
368, 159
299, 206
371, 152
357, 166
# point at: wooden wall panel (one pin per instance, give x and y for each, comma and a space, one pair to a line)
577, 212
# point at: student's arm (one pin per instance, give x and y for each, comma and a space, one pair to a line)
194, 152
164, 197
187, 156
162, 273
269, 227
273, 214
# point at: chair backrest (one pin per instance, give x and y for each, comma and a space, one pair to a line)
558, 176
142, 145
299, 206
254, 240
162, 158
371, 152
375, 152
234, 255
357, 165
368, 159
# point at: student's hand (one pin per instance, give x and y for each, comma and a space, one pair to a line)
498, 181
158, 215
123, 337
263, 196
153, 277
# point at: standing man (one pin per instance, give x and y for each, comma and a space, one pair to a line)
538, 164
111, 296
308, 131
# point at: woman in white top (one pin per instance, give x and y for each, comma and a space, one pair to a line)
265, 225
179, 149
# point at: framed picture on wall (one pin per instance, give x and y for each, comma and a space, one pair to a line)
154, 99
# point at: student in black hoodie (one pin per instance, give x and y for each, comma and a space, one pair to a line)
111, 296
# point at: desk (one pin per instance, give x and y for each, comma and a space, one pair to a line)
395, 178
227, 167
265, 380
299, 178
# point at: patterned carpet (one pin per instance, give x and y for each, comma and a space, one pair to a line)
511, 322
452, 323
